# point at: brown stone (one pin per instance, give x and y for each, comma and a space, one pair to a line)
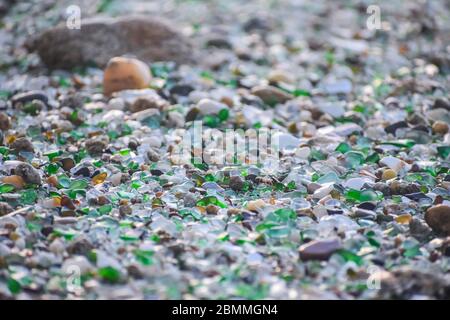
125, 73
28, 173
5, 122
16, 181
80, 246
319, 249
5, 209
271, 95
440, 127
21, 145
438, 218
67, 163
53, 181
100, 38
236, 183
148, 102
405, 283
95, 146
212, 209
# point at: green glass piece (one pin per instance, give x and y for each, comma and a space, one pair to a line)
401, 143
278, 224
160, 69
360, 108
315, 176
291, 185
78, 184
102, 124
67, 234
52, 168
373, 242
85, 210
200, 165
34, 132
153, 122
105, 209
61, 139
28, 196
33, 226
301, 93
363, 195
278, 186
4, 150
72, 193
224, 114
126, 223
146, 198
279, 231
412, 252
343, 147
5, 188
77, 135
133, 165
186, 212
282, 215
350, 256
74, 116
354, 159
422, 178
53, 154
328, 177
129, 237
136, 184
199, 180
31, 108
373, 158
109, 274
329, 57
223, 237
363, 142
80, 155
316, 155
64, 181
14, 286
126, 130
157, 202
113, 135
125, 152
211, 121
98, 163
443, 151
210, 200
4, 94
64, 82
155, 238
257, 125
144, 256
124, 195
432, 171
265, 226
206, 75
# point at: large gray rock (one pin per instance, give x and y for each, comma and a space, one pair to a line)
99, 39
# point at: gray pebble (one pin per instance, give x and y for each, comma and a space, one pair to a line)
28, 173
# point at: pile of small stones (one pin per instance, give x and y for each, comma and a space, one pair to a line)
93, 203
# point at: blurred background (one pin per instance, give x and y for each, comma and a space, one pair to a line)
419, 28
